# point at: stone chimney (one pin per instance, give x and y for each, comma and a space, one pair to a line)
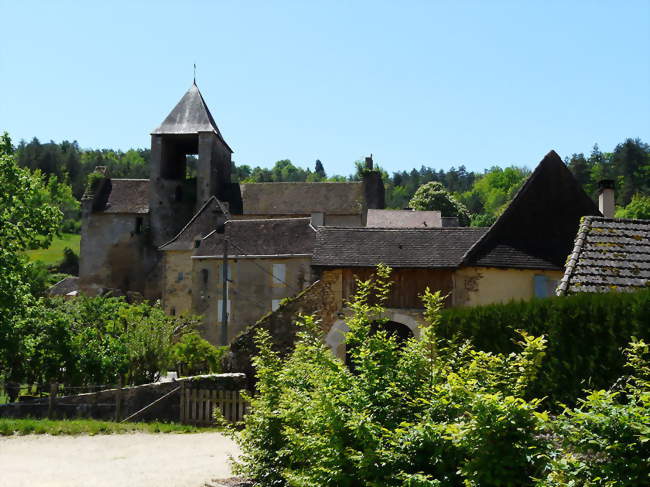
606, 203
369, 163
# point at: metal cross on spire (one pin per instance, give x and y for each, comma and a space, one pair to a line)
194, 73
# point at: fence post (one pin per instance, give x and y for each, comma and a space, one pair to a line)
118, 401
51, 403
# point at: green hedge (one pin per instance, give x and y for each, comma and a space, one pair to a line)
585, 332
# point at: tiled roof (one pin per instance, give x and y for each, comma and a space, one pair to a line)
268, 237
609, 255
537, 229
190, 116
127, 196
202, 223
302, 198
403, 219
403, 247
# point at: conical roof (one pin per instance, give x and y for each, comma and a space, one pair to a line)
190, 116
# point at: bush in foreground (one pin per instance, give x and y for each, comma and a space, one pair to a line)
431, 412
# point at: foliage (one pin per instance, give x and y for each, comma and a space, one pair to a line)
639, 207
433, 196
428, 413
493, 191
585, 334
28, 219
10, 427
432, 412
605, 441
95, 341
193, 355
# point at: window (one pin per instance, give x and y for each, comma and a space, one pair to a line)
180, 277
197, 243
275, 304
220, 309
138, 225
279, 274
544, 286
205, 274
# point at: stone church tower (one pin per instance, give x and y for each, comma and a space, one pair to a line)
125, 221
189, 130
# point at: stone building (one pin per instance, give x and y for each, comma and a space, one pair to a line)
521, 256
129, 225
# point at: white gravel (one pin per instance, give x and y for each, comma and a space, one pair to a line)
129, 460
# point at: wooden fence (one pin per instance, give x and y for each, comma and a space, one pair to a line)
198, 405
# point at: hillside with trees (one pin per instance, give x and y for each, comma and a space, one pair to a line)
483, 194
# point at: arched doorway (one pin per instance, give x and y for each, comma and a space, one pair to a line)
399, 331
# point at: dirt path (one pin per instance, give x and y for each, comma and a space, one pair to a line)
129, 460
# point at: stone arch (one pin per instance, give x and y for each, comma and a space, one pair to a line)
335, 338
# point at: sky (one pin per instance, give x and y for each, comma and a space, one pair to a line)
436, 83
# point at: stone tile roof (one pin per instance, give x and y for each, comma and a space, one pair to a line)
201, 224
537, 229
302, 198
413, 247
268, 237
127, 196
609, 255
190, 116
403, 219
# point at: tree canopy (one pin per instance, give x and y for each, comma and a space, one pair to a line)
433, 196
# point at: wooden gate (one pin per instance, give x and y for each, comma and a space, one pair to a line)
198, 405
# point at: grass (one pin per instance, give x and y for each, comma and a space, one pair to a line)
10, 427
54, 253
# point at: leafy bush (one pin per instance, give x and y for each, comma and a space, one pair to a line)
95, 341
433, 196
430, 412
586, 334
193, 355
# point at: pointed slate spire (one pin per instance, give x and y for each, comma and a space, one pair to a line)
190, 116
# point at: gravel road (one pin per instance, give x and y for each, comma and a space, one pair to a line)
129, 460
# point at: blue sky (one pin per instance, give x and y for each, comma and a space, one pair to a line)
433, 83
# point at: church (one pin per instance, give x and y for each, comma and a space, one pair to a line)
139, 235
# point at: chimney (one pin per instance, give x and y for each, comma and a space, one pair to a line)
606, 203
369, 164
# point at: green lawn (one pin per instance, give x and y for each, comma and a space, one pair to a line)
9, 427
54, 253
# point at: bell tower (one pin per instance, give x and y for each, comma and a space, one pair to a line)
175, 194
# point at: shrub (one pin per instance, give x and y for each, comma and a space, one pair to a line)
433, 412
193, 355
430, 413
586, 334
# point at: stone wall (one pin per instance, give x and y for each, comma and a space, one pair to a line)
251, 291
113, 254
177, 282
102, 405
322, 299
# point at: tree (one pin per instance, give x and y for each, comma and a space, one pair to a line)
28, 220
638, 208
433, 196
319, 169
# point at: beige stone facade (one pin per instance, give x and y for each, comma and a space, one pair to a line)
476, 286
256, 287
177, 282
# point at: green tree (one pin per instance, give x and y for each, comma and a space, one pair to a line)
433, 196
638, 208
28, 220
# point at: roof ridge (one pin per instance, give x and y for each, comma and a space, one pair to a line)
194, 217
